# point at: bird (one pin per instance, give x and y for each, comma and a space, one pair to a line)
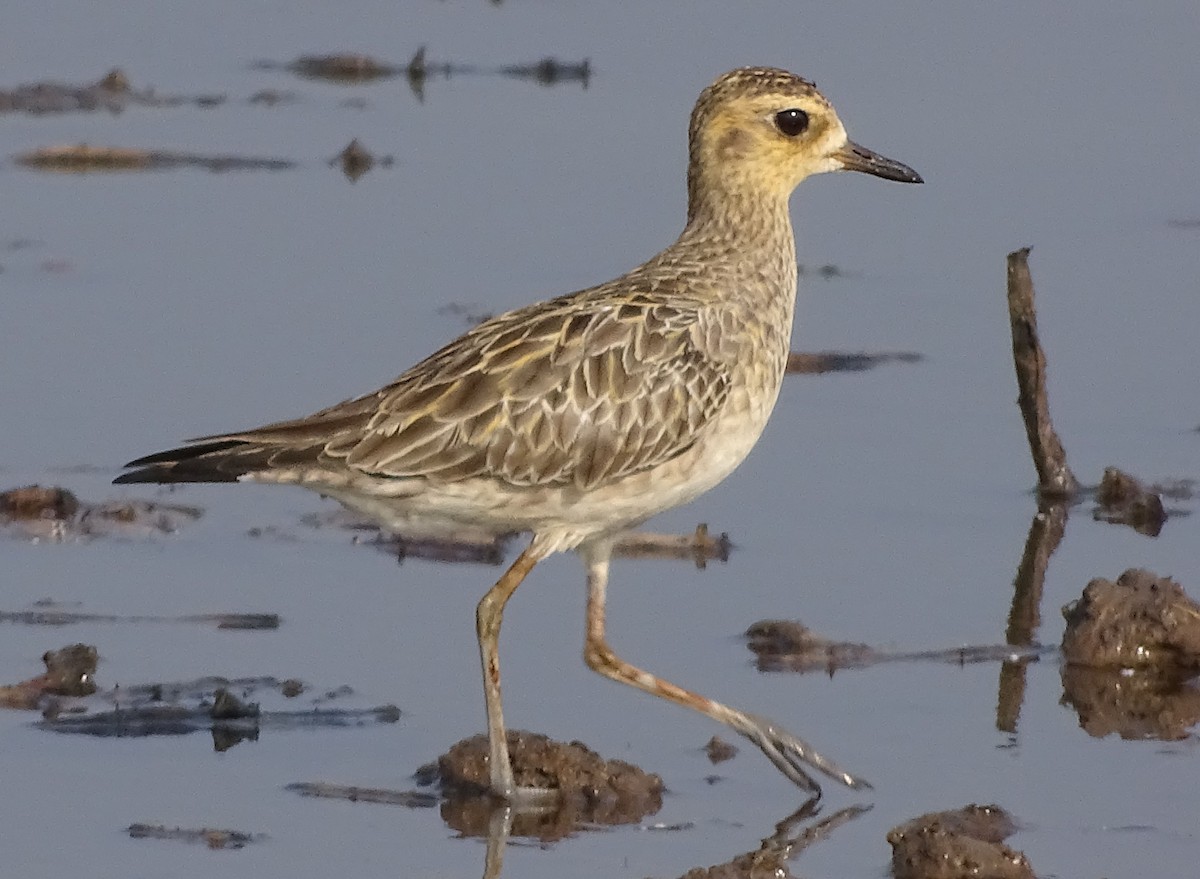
577, 418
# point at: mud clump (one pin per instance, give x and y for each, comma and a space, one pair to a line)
37, 502
957, 844
1131, 649
36, 512
718, 750
1142, 621
592, 790
1123, 500
70, 671
226, 706
356, 160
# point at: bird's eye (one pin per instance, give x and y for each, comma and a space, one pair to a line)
791, 122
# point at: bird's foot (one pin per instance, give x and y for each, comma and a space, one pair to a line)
791, 755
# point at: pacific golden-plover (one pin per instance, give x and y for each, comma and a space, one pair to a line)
579, 417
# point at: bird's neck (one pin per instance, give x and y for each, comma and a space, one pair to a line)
746, 233
744, 220
749, 250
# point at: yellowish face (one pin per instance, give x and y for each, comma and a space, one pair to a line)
778, 139
771, 129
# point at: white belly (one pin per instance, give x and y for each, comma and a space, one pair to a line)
564, 515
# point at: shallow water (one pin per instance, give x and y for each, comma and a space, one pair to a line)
888, 506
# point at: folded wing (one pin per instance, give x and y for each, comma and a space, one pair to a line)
576, 390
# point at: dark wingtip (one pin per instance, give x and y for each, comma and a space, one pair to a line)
161, 474
180, 465
183, 453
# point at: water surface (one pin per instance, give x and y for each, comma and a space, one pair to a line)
888, 507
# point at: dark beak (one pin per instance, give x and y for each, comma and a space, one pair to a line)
858, 158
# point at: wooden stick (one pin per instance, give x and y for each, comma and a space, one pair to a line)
1055, 479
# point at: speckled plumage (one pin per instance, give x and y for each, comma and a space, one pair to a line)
584, 415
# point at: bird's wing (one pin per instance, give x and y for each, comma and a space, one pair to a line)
582, 389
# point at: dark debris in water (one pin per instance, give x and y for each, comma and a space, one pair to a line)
821, 362
356, 160
827, 272
220, 706
789, 645
112, 92
35, 512
272, 98
551, 71
50, 613
960, 844
344, 68
207, 836
352, 68
83, 158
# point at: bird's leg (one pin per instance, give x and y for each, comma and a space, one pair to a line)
789, 753
488, 615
